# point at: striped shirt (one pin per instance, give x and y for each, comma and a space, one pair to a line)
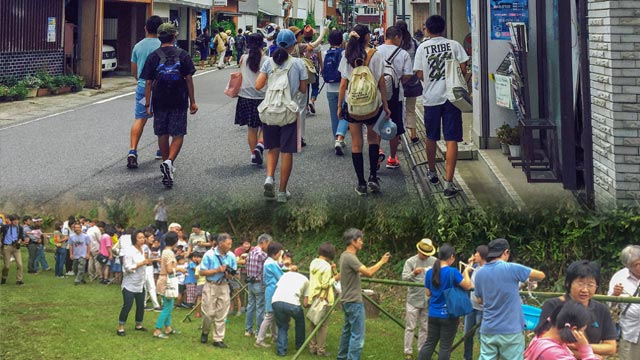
255, 262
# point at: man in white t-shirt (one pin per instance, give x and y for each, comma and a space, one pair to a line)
429, 65
401, 63
291, 287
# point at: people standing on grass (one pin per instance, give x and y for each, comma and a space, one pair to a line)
168, 73
105, 255
149, 278
161, 215
322, 277
255, 285
79, 251
12, 238
288, 297
442, 327
167, 268
60, 242
249, 97
626, 282
471, 320
352, 338
271, 273
358, 53
439, 113
139, 55
417, 306
133, 279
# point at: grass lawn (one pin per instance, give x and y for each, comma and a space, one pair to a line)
50, 318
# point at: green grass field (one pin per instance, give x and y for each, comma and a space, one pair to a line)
50, 318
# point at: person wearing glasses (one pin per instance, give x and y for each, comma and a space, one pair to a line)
496, 288
581, 283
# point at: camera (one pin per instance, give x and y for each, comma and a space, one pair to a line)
251, 280
230, 271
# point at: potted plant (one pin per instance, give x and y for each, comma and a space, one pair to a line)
19, 92
61, 85
76, 82
32, 84
514, 142
47, 83
4, 93
503, 133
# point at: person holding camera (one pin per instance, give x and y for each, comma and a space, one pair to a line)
12, 235
218, 266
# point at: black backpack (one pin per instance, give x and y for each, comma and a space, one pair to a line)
240, 42
169, 83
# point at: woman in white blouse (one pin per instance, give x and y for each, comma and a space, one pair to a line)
132, 282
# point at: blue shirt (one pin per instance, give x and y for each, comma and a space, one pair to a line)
80, 243
212, 259
271, 273
140, 53
437, 302
496, 284
191, 274
11, 235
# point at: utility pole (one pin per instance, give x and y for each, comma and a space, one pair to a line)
433, 7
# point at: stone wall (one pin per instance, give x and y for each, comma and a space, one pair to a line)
20, 64
614, 50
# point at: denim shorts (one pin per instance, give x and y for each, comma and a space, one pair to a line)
141, 111
446, 115
171, 122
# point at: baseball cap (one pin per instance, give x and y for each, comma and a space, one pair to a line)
286, 38
497, 247
167, 29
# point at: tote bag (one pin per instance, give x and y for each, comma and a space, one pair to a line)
319, 307
457, 92
233, 86
457, 299
171, 290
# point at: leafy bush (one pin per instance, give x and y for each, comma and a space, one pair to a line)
31, 82
19, 92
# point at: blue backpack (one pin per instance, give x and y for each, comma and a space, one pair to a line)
169, 82
330, 72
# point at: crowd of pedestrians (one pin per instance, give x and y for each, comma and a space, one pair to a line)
200, 271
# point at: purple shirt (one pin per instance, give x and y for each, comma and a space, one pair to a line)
80, 243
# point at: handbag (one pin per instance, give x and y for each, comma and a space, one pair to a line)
317, 310
171, 290
234, 84
413, 87
456, 87
457, 300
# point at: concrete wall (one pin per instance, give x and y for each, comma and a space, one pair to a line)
614, 50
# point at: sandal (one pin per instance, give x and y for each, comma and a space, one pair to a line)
160, 335
174, 332
141, 328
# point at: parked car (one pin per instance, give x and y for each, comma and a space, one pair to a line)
109, 58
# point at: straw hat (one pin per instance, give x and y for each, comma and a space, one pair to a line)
425, 247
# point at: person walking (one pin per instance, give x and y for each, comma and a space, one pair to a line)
352, 338
442, 327
358, 53
168, 73
241, 44
167, 268
220, 41
255, 302
60, 241
417, 306
411, 46
321, 281
80, 252
203, 41
219, 266
496, 286
134, 264
139, 55
249, 97
13, 236
332, 78
439, 113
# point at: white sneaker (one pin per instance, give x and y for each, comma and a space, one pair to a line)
69, 273
283, 196
338, 148
269, 187
167, 169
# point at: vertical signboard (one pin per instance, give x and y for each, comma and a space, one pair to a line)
51, 29
504, 12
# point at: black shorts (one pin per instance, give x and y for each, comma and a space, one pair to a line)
369, 122
170, 122
284, 138
397, 111
181, 288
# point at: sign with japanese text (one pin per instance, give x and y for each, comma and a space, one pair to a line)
504, 12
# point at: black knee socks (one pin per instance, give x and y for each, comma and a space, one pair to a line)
373, 159
358, 165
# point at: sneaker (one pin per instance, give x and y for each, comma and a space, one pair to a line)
69, 273
261, 344
220, 344
393, 163
204, 337
283, 196
132, 160
248, 333
3, 281
450, 192
381, 157
158, 155
157, 309
269, 188
167, 173
19, 283
432, 176
258, 155
312, 108
338, 147
303, 143
415, 140
361, 190
374, 184
148, 308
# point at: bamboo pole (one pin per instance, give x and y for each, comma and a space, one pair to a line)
325, 318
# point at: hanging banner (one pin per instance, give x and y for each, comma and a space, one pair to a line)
504, 12
503, 91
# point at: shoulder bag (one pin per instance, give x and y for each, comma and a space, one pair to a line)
233, 86
319, 307
171, 290
457, 299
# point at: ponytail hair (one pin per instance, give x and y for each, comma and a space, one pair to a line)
444, 253
254, 44
356, 45
566, 316
280, 55
407, 42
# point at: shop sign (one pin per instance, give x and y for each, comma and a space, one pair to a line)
51, 29
504, 12
219, 2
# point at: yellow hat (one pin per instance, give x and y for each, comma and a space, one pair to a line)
425, 247
228, 32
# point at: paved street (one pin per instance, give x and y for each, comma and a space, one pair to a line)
79, 156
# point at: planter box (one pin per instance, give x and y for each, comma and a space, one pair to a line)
32, 93
62, 90
505, 148
514, 150
43, 92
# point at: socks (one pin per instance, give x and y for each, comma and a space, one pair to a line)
358, 165
373, 159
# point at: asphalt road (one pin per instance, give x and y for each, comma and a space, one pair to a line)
79, 157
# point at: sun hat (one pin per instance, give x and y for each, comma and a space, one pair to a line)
228, 32
286, 38
308, 31
296, 30
425, 247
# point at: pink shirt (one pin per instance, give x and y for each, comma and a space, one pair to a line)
548, 349
105, 244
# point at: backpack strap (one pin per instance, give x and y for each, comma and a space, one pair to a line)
393, 55
161, 55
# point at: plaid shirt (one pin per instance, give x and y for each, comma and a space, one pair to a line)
255, 262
